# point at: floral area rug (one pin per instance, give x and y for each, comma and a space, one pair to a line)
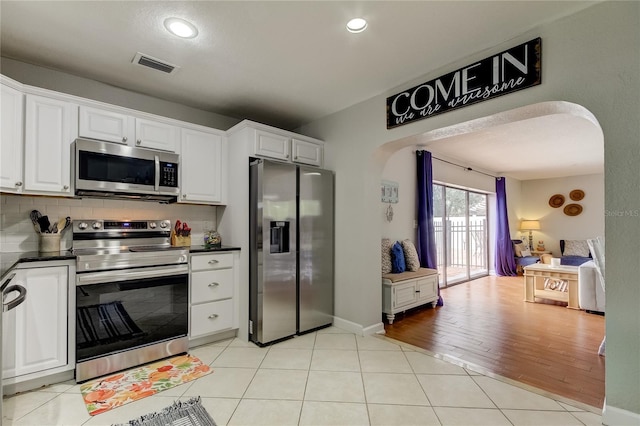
108, 392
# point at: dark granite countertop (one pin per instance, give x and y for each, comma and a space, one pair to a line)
202, 249
9, 260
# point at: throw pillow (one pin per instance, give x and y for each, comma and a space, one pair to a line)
386, 255
518, 248
526, 253
410, 255
397, 259
576, 248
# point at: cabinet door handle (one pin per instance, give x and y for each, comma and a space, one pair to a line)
124, 139
65, 187
184, 195
213, 262
417, 291
214, 284
138, 142
213, 316
286, 156
18, 183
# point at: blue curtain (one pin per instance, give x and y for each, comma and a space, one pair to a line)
426, 246
505, 260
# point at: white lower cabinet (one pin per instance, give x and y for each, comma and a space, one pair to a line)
35, 334
212, 288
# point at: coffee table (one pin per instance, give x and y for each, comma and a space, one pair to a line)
534, 283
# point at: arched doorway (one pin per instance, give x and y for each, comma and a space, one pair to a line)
534, 143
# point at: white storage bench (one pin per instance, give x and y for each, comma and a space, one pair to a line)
407, 290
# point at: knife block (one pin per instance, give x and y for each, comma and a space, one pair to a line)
180, 240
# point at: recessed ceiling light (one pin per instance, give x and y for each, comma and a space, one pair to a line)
180, 27
356, 25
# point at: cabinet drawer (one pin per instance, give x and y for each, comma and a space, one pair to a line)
211, 317
405, 295
207, 286
211, 261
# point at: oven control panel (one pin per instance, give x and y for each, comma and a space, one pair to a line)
119, 226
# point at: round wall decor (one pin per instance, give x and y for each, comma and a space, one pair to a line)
556, 201
576, 194
572, 209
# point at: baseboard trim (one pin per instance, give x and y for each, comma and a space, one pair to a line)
358, 329
613, 416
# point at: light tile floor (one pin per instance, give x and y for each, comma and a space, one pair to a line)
329, 377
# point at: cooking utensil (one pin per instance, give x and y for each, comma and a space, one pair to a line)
44, 224
59, 226
35, 215
36, 227
67, 222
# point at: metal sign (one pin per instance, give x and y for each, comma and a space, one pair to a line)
515, 69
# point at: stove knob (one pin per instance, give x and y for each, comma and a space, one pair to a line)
182, 258
96, 225
82, 225
152, 225
164, 224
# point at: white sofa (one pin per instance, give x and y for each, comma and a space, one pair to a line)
590, 289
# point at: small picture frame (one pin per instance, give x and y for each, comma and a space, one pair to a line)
389, 191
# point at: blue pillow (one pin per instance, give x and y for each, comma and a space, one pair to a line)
397, 259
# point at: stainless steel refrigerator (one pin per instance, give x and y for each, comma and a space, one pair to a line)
291, 250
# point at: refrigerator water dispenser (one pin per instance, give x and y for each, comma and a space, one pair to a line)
279, 237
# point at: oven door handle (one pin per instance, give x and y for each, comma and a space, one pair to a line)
129, 275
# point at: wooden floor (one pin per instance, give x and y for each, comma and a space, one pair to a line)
486, 322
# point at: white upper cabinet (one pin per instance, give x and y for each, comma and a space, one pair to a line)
118, 127
51, 125
11, 142
273, 146
285, 146
110, 126
306, 152
157, 135
203, 168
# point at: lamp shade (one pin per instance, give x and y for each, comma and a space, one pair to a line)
528, 225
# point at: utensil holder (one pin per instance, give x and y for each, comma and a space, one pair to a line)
49, 243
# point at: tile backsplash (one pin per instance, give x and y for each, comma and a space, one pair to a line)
17, 233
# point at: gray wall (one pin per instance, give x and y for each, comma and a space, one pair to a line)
590, 58
47, 78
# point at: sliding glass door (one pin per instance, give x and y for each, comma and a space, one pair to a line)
460, 223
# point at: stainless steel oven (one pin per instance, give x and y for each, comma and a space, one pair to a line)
131, 295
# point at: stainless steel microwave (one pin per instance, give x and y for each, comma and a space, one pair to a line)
109, 170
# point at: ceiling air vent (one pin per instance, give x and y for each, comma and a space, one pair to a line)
154, 63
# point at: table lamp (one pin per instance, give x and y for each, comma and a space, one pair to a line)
530, 225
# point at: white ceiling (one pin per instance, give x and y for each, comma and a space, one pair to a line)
283, 63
